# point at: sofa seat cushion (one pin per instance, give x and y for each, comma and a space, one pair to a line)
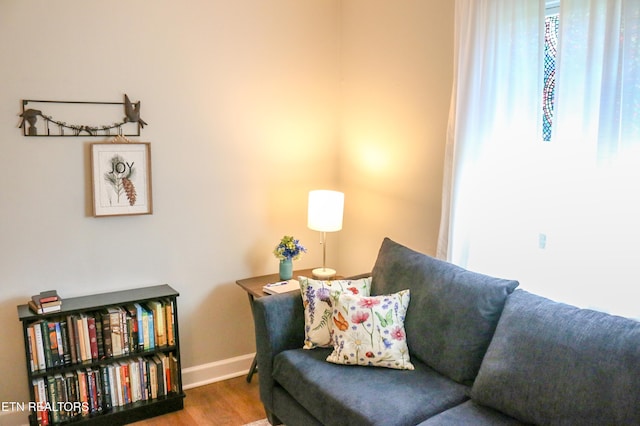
453, 312
470, 413
552, 363
359, 395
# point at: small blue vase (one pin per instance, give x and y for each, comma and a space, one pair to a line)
286, 269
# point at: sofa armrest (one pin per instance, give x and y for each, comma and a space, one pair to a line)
279, 326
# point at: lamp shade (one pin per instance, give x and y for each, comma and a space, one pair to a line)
325, 210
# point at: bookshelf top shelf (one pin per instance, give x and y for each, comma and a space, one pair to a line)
81, 303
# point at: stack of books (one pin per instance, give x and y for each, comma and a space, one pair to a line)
45, 302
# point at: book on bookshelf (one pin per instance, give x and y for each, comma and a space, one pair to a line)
81, 341
170, 323
106, 388
106, 334
99, 335
40, 393
43, 309
46, 297
124, 332
64, 342
40, 356
150, 333
133, 325
93, 337
158, 311
115, 325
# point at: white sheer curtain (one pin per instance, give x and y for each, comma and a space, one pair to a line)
563, 217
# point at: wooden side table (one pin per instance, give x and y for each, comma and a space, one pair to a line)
253, 287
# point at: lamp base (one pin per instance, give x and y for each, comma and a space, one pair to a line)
323, 273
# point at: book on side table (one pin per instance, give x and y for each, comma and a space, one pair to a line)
281, 287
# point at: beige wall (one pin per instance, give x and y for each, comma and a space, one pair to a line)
397, 67
240, 97
246, 103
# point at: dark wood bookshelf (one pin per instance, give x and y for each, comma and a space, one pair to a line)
116, 415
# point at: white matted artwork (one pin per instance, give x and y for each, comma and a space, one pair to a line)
121, 178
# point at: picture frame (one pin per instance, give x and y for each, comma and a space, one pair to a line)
121, 178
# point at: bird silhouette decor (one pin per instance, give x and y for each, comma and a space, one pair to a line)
29, 120
132, 112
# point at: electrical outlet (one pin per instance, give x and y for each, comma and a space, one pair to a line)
542, 241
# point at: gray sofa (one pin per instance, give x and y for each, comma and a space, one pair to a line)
484, 354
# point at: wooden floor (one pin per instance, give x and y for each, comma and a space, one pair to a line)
232, 402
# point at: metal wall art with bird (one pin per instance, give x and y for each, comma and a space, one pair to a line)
30, 115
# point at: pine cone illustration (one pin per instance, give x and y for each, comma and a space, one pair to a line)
130, 190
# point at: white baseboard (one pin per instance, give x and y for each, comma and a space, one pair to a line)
212, 372
192, 377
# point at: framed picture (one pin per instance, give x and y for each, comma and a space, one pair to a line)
121, 178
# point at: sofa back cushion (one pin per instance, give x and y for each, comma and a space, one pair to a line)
551, 363
453, 312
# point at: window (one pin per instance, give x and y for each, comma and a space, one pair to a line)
560, 217
548, 92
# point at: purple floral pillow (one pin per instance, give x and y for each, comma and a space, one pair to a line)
369, 331
318, 298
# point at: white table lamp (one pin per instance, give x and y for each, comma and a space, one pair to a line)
325, 215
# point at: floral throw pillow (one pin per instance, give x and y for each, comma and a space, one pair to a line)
369, 331
318, 304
